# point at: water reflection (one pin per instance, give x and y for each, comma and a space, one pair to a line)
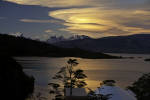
124, 71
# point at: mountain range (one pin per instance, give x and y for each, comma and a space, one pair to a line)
21, 46
138, 43
56, 39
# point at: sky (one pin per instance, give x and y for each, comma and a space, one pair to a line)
40, 19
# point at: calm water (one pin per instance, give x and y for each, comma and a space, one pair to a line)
124, 71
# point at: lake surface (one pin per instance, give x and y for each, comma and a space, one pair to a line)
123, 71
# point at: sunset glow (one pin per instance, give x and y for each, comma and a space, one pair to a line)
95, 18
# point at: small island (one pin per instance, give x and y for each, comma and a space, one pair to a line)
147, 59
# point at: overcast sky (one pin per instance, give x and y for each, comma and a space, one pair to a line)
95, 18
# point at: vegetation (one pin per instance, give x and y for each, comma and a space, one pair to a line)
141, 87
69, 78
15, 84
20, 46
93, 96
108, 82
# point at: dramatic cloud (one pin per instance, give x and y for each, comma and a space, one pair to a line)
95, 18
54, 3
82, 3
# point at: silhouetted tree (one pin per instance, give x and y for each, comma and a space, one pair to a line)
141, 87
69, 78
108, 82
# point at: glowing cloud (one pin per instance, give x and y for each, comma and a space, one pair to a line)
96, 17
83, 3
96, 20
56, 3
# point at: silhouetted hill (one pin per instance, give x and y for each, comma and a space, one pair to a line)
139, 43
19, 46
14, 83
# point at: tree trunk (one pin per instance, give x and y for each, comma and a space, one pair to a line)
71, 81
70, 86
70, 91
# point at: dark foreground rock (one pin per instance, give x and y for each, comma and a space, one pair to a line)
15, 84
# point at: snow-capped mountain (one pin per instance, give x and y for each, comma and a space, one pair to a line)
138, 43
75, 37
56, 39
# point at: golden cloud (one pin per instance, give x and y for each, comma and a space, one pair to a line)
95, 17
142, 12
96, 20
57, 3
82, 3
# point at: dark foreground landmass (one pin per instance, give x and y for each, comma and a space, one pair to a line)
15, 84
20, 46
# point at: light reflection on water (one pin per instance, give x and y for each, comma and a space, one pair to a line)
124, 71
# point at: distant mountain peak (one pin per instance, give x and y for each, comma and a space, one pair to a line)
79, 37
137, 43
56, 39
